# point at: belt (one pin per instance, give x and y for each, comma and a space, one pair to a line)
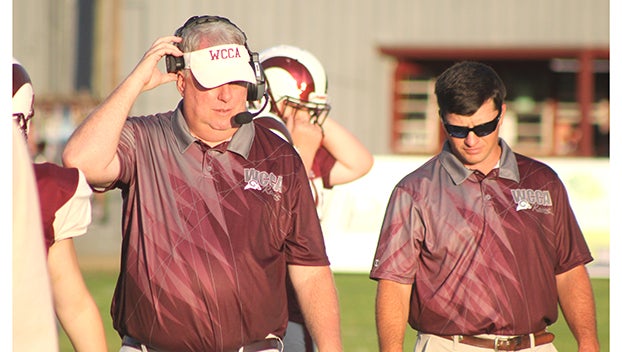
510, 343
258, 346
271, 343
132, 342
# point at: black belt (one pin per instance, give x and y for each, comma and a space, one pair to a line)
132, 342
514, 343
271, 343
262, 345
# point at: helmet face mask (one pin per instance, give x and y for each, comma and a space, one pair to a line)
317, 111
296, 83
23, 121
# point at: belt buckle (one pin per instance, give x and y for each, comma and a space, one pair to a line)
496, 343
507, 341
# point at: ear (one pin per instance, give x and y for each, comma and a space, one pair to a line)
503, 110
181, 82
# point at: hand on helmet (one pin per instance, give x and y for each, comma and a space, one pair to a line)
305, 134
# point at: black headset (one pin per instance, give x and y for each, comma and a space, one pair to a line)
175, 64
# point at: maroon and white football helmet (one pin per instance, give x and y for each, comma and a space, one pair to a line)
297, 77
23, 97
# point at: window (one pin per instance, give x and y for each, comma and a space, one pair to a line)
545, 100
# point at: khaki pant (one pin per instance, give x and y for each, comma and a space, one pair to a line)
433, 343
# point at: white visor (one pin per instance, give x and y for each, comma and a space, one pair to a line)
217, 65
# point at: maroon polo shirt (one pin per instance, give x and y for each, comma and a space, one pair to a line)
481, 251
323, 163
207, 234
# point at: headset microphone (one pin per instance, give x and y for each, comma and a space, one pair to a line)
246, 117
243, 118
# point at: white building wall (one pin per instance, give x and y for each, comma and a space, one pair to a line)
343, 34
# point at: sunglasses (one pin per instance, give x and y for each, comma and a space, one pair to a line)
479, 130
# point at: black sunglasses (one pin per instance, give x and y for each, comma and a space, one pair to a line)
479, 130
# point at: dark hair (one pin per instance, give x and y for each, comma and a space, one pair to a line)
464, 87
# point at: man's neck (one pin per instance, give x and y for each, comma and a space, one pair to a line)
487, 166
209, 135
213, 139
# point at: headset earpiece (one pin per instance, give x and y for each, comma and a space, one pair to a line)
256, 91
175, 64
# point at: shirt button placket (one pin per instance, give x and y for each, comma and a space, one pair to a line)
208, 157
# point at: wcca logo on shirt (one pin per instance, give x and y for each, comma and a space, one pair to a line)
536, 200
264, 181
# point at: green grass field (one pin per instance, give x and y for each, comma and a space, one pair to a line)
357, 294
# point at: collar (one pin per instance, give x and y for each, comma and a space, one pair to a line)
240, 143
507, 165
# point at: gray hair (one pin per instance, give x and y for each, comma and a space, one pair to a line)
216, 30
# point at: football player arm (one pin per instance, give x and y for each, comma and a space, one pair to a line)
577, 304
392, 307
306, 149
317, 295
92, 147
353, 158
306, 136
75, 308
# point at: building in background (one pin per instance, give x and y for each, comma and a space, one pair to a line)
558, 97
381, 58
